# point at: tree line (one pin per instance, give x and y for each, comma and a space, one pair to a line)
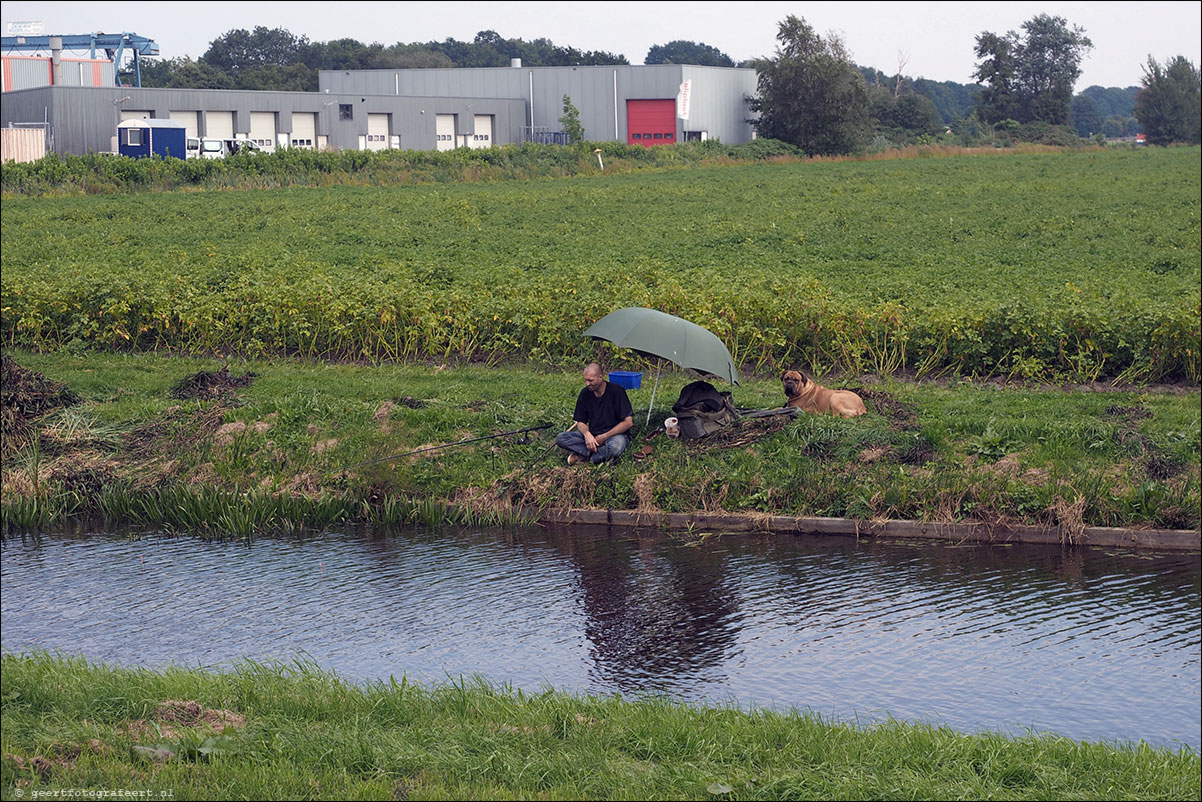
810, 93
276, 59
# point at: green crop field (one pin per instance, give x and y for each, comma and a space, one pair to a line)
1077, 266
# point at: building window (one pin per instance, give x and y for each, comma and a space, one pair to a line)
659, 136
346, 111
638, 136
668, 136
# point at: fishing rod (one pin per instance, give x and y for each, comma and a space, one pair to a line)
540, 427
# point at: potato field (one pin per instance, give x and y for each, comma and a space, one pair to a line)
1070, 266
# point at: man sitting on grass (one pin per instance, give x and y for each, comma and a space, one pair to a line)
603, 416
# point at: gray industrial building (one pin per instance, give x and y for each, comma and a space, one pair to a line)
619, 103
433, 109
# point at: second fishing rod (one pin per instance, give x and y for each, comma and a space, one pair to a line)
511, 433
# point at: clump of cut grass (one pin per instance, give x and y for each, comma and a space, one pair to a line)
1070, 518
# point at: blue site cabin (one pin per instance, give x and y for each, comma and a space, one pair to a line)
150, 137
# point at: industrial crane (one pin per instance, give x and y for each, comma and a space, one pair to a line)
114, 45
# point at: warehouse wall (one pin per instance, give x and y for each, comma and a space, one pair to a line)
718, 103
84, 119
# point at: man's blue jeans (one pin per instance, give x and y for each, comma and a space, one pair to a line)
574, 441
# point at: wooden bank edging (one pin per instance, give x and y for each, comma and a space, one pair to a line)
1164, 539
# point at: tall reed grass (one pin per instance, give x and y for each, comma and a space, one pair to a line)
218, 514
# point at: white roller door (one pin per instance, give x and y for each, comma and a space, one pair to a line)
219, 124
190, 119
377, 132
304, 129
262, 129
444, 130
135, 114
482, 138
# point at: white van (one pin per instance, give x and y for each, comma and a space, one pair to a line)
220, 148
212, 148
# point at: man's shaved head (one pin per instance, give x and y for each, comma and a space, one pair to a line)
593, 379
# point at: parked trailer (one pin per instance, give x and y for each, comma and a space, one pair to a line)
147, 137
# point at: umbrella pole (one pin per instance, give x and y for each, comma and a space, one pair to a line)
658, 368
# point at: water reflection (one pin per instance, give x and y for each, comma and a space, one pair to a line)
1086, 643
653, 611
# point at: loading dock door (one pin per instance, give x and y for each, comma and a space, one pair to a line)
190, 119
444, 130
651, 122
482, 138
304, 129
219, 124
135, 114
377, 132
262, 129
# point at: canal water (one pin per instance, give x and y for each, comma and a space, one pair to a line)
1090, 644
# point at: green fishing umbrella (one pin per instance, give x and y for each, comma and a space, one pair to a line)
663, 336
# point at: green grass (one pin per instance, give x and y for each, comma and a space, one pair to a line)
274, 456
296, 732
1068, 266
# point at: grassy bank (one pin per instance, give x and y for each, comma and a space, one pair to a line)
273, 454
1072, 266
278, 732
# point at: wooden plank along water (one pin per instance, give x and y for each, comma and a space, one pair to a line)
1115, 537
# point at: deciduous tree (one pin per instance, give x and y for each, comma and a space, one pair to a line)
1167, 105
810, 94
1086, 118
570, 121
240, 49
681, 51
1030, 78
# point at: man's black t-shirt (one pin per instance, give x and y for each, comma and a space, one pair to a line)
604, 413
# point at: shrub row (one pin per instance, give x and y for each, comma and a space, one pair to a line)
106, 173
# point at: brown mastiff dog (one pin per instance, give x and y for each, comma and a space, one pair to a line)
810, 396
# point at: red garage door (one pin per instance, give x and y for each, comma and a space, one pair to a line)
651, 122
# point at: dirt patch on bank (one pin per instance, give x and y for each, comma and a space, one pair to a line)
210, 384
25, 396
60, 757
1155, 462
902, 417
173, 716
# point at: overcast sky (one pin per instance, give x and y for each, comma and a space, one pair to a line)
936, 37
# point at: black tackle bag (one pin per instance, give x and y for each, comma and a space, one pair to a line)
702, 410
